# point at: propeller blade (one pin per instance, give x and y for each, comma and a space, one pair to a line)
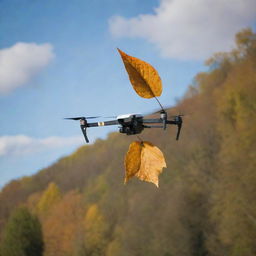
74, 118
91, 117
81, 117
154, 112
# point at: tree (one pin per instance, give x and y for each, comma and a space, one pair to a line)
22, 235
49, 198
62, 226
233, 210
95, 231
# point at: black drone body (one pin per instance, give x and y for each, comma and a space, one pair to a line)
132, 124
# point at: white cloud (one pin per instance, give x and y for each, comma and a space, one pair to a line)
185, 29
21, 62
20, 145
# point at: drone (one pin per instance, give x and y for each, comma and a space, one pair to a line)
131, 124
147, 84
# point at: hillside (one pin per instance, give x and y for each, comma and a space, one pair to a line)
205, 204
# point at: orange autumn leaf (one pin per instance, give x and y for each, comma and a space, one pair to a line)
145, 161
143, 77
152, 163
132, 160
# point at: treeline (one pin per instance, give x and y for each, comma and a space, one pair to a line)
206, 201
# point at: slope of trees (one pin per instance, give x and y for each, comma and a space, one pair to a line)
205, 204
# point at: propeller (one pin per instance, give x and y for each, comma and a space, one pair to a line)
81, 117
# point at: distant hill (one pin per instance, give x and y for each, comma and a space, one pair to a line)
206, 201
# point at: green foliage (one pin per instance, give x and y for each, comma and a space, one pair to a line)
22, 235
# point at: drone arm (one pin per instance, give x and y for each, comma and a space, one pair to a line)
153, 126
171, 122
84, 125
152, 121
96, 124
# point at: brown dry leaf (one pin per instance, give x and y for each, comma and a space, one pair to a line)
132, 160
145, 161
144, 78
152, 163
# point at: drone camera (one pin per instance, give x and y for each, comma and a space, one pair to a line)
125, 129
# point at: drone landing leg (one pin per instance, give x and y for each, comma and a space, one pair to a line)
83, 128
178, 133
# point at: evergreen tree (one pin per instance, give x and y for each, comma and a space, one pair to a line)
22, 235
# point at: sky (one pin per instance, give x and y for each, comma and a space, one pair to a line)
58, 58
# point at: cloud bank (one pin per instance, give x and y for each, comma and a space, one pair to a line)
20, 145
21, 62
185, 29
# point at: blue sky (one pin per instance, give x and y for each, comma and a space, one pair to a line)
58, 58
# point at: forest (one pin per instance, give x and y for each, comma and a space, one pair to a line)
205, 203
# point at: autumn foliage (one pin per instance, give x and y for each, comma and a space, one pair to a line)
205, 204
145, 161
143, 77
